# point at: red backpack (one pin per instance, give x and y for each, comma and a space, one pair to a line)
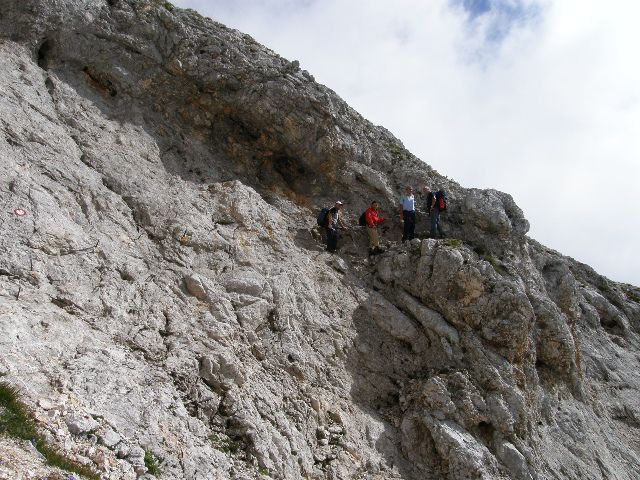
441, 198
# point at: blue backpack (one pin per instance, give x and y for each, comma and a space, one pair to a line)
322, 217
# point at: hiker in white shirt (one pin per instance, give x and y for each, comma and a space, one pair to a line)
408, 214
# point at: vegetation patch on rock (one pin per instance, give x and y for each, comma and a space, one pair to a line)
16, 421
151, 463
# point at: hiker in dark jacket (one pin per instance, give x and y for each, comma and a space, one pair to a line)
334, 221
373, 219
436, 202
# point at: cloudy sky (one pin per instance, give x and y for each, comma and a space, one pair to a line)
538, 98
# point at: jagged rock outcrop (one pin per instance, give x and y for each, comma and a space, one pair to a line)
161, 288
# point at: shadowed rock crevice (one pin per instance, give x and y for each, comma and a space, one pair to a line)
44, 52
100, 82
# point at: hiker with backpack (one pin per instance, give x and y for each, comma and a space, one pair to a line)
333, 221
372, 219
436, 203
408, 214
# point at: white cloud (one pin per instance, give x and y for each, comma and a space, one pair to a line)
549, 112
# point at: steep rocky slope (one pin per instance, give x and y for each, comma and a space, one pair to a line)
166, 291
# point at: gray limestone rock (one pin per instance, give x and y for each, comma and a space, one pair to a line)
109, 438
513, 460
161, 287
79, 425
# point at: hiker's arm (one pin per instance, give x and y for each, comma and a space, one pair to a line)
329, 219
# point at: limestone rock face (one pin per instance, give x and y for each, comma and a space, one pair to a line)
164, 291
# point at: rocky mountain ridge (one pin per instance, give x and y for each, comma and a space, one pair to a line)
165, 292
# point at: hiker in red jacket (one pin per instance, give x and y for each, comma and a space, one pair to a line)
373, 220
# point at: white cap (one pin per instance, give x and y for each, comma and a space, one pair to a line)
339, 203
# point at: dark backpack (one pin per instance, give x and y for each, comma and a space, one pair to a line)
429, 200
362, 221
441, 200
322, 217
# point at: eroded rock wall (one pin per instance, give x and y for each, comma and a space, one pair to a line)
166, 290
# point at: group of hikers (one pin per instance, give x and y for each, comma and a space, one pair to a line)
331, 219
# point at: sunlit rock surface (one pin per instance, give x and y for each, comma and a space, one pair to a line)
163, 286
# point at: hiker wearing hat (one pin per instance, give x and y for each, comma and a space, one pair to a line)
334, 221
408, 214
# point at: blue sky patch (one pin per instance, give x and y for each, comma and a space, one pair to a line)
476, 7
502, 15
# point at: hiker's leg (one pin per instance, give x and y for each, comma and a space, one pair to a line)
332, 239
374, 241
412, 226
371, 240
440, 226
405, 225
434, 217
